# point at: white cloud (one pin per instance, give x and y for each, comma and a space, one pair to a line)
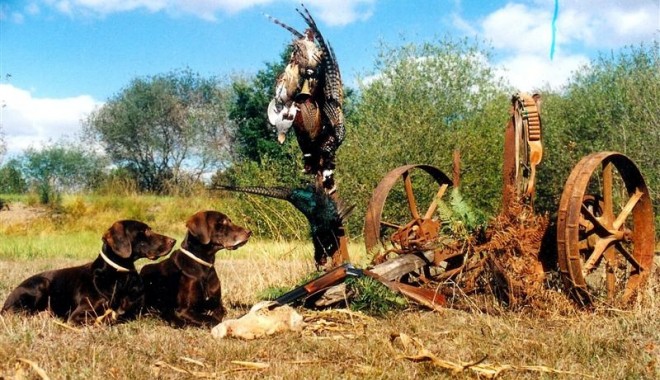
205, 9
32, 9
519, 28
331, 12
17, 18
340, 12
609, 23
528, 72
31, 121
521, 32
586, 23
462, 25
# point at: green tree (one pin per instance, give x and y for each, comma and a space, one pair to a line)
11, 178
166, 129
61, 167
421, 103
254, 137
257, 156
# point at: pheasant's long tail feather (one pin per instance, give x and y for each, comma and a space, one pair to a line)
344, 211
333, 85
285, 26
272, 192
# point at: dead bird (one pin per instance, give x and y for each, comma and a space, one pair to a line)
325, 215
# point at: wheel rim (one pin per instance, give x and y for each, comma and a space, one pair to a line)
415, 228
605, 230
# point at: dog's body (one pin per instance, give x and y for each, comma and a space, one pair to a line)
185, 289
109, 284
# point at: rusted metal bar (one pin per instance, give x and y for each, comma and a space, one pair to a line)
456, 168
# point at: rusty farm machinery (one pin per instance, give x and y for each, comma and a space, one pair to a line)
604, 228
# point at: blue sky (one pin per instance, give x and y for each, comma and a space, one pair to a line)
59, 59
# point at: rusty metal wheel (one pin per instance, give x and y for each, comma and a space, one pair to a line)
605, 230
388, 228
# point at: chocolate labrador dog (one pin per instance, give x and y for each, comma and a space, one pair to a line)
101, 291
185, 289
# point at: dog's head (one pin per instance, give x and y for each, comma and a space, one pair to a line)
133, 239
216, 229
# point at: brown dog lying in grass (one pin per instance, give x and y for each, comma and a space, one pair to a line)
185, 289
108, 286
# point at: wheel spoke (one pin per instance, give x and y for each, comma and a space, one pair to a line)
434, 205
587, 239
629, 257
586, 225
627, 209
389, 225
608, 206
592, 218
599, 248
610, 275
410, 195
610, 282
380, 225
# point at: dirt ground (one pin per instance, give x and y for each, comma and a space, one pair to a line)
18, 212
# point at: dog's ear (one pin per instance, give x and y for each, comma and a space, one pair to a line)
199, 227
118, 240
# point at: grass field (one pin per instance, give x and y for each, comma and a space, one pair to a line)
605, 344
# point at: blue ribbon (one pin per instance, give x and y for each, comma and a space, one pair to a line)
554, 29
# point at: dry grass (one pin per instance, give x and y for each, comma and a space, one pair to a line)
607, 344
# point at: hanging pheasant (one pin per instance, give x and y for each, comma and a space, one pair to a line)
309, 97
324, 214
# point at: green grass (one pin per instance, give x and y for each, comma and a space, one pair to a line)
374, 298
73, 245
75, 229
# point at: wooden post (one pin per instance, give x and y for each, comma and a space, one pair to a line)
457, 168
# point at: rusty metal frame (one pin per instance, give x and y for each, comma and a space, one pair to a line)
523, 148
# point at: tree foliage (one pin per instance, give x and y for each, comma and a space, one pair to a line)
61, 167
254, 136
611, 105
258, 159
423, 102
165, 129
12, 180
